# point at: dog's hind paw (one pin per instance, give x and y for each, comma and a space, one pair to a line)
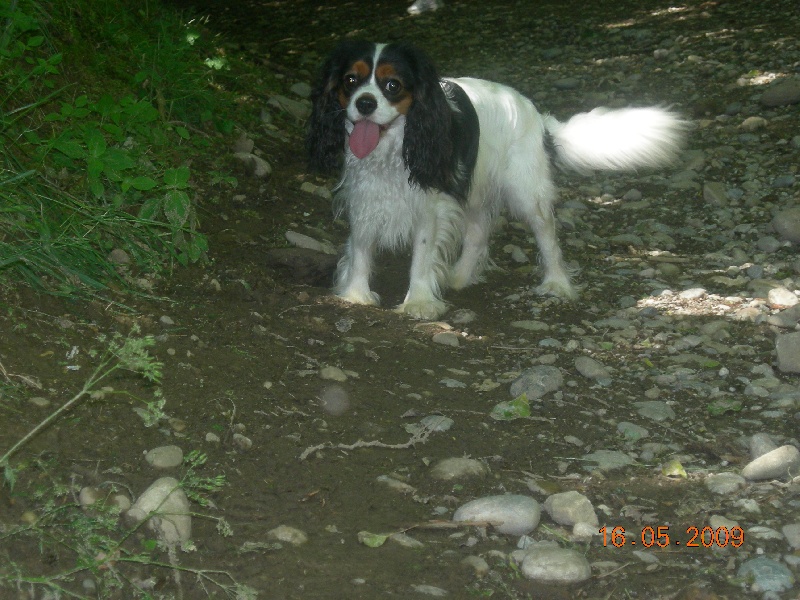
425, 311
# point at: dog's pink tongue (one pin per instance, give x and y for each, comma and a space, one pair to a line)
364, 138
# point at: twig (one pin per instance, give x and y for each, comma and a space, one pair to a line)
418, 438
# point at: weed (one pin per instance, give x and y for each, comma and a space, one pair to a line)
83, 174
93, 539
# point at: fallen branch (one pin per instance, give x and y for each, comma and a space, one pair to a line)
418, 438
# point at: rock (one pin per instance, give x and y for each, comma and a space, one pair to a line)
89, 495
119, 257
792, 534
447, 338
317, 190
760, 444
332, 373
512, 514
768, 244
531, 325
537, 382
334, 400
782, 93
305, 241
567, 83
478, 565
288, 535
421, 6
242, 442
781, 463
786, 224
753, 124
301, 89
555, 565
717, 521
429, 590
655, 410
396, 484
168, 512
255, 165
787, 347
780, 296
592, 369
766, 574
725, 483
715, 193
788, 318
608, 460
299, 109
449, 469
164, 457
632, 432
569, 508
406, 541
303, 265
436, 423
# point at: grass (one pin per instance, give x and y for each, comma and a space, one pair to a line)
102, 107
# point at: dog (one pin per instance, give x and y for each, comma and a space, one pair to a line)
429, 163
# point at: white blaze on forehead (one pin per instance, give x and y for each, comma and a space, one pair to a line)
365, 134
378, 51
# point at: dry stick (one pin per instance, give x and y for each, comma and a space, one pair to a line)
418, 438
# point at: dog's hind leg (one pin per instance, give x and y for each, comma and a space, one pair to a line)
474, 249
531, 199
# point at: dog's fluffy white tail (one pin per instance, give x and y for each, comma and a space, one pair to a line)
618, 140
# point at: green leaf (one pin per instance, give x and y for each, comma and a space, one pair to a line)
182, 132
69, 147
118, 160
372, 540
143, 183
177, 178
95, 142
673, 468
518, 408
176, 207
150, 209
722, 405
95, 167
97, 188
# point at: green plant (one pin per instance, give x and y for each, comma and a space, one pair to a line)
98, 542
83, 175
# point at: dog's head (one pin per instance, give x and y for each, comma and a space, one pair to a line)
365, 89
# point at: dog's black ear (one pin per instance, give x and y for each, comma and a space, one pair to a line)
325, 133
428, 139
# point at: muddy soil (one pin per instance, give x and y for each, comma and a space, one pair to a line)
246, 339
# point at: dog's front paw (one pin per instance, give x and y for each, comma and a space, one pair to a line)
562, 289
425, 311
365, 297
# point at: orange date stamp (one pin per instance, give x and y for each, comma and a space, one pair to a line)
694, 537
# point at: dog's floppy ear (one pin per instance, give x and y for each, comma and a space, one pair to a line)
427, 141
325, 133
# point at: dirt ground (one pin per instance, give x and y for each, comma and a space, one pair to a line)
246, 338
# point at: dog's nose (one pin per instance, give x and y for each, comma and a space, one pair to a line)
366, 104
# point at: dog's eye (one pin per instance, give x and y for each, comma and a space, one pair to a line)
392, 87
350, 82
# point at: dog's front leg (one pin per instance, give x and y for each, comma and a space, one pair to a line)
428, 263
353, 272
